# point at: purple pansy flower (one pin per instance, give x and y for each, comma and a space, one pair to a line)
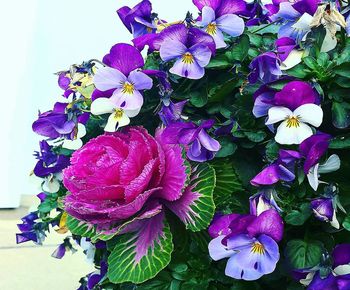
220, 17
171, 113
288, 52
265, 68
122, 75
48, 162
31, 230
63, 248
250, 243
191, 48
201, 147
54, 123
139, 20
282, 169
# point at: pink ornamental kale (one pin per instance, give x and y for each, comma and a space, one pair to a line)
115, 176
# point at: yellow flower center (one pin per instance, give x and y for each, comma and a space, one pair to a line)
118, 114
293, 122
258, 248
188, 58
211, 28
128, 88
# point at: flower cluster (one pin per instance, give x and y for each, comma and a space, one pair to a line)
218, 161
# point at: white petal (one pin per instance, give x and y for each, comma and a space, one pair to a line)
292, 135
123, 121
72, 144
332, 164
51, 184
132, 113
111, 124
329, 42
208, 16
102, 106
217, 250
277, 114
310, 113
292, 59
342, 270
308, 279
81, 131
334, 222
303, 23
312, 177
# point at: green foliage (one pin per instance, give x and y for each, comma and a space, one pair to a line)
80, 228
298, 217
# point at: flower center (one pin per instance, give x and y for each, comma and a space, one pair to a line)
258, 248
211, 28
128, 88
187, 58
293, 122
118, 114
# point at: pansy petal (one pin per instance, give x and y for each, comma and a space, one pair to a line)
201, 54
102, 106
171, 49
292, 60
208, 16
208, 142
214, 4
123, 100
292, 135
231, 24
332, 164
132, 113
341, 255
72, 144
310, 113
123, 121
191, 71
111, 125
107, 78
312, 177
217, 250
277, 114
140, 80
219, 39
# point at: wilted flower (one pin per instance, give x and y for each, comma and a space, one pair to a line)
250, 243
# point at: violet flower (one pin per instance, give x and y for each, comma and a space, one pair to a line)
48, 162
325, 210
171, 113
313, 148
265, 68
191, 48
123, 76
31, 230
63, 248
282, 169
201, 147
262, 201
139, 20
288, 53
218, 18
250, 243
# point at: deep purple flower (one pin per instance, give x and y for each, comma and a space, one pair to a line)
55, 123
171, 113
191, 48
139, 19
313, 148
282, 169
27, 228
63, 248
48, 162
265, 68
285, 46
325, 210
250, 243
220, 17
202, 147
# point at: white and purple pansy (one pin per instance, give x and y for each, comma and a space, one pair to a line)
191, 48
295, 107
250, 243
219, 17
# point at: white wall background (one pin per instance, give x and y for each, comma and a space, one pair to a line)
39, 38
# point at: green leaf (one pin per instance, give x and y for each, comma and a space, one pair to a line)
122, 263
298, 217
219, 62
239, 50
343, 70
80, 228
341, 115
227, 147
340, 142
196, 207
346, 223
256, 137
198, 98
299, 71
301, 254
